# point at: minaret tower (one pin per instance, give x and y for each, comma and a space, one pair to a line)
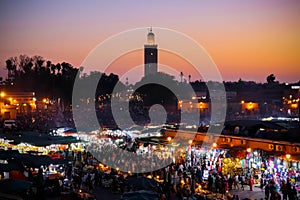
150, 55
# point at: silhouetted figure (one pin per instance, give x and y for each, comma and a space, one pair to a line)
267, 192
293, 194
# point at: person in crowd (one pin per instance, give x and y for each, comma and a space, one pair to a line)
242, 181
261, 185
223, 185
236, 181
284, 190
293, 193
267, 191
179, 191
230, 182
218, 184
88, 182
187, 191
210, 182
251, 182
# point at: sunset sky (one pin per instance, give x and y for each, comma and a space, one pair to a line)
246, 39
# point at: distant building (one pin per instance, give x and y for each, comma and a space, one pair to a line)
192, 106
150, 55
16, 103
250, 108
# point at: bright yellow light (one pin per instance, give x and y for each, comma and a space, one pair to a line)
190, 142
288, 156
157, 177
2, 94
242, 102
214, 145
44, 100
34, 99
169, 139
117, 168
182, 182
294, 105
10, 98
250, 106
248, 150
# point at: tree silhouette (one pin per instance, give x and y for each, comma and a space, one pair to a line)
32, 74
11, 68
58, 67
53, 67
271, 78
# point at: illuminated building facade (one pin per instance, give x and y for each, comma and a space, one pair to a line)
14, 103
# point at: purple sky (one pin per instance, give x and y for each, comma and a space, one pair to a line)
246, 39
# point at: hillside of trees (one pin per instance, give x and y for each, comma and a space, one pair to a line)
47, 79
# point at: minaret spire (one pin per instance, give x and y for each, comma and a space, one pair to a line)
150, 37
150, 54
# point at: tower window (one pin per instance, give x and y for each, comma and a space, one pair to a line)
151, 54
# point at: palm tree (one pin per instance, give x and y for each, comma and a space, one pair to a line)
9, 65
48, 65
58, 67
11, 68
53, 67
